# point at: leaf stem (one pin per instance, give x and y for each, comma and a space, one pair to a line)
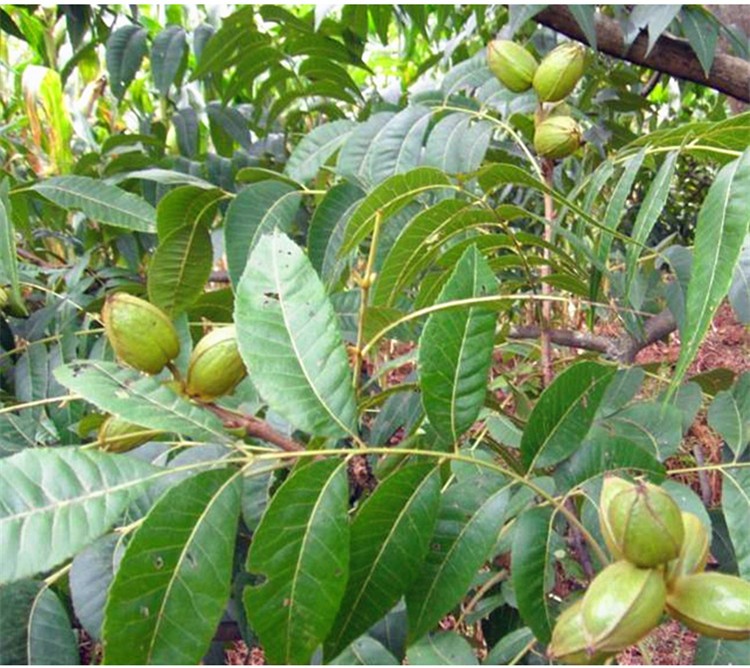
710, 467
491, 299
39, 402
497, 577
548, 167
254, 428
516, 477
365, 283
54, 577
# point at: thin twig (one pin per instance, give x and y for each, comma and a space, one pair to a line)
219, 276
34, 259
623, 349
650, 84
255, 428
548, 167
579, 546
702, 475
565, 337
365, 282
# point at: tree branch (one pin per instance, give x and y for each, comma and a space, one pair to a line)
670, 55
548, 170
623, 349
566, 337
656, 327
255, 428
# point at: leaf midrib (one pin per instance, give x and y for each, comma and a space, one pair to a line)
161, 616
282, 307
46, 185
297, 570
384, 545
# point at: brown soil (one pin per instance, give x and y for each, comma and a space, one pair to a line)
727, 345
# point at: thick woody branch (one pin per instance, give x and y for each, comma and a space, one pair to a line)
255, 428
670, 55
566, 337
656, 327
623, 349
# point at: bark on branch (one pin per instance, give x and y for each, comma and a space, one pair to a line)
255, 428
670, 55
622, 349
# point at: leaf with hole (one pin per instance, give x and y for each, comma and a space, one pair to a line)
300, 552
172, 585
290, 341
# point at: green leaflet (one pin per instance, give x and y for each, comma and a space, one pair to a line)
57, 501
258, 209
99, 201
390, 536
301, 548
563, 415
34, 626
455, 350
173, 582
723, 222
289, 339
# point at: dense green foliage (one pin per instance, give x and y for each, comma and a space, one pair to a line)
357, 192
